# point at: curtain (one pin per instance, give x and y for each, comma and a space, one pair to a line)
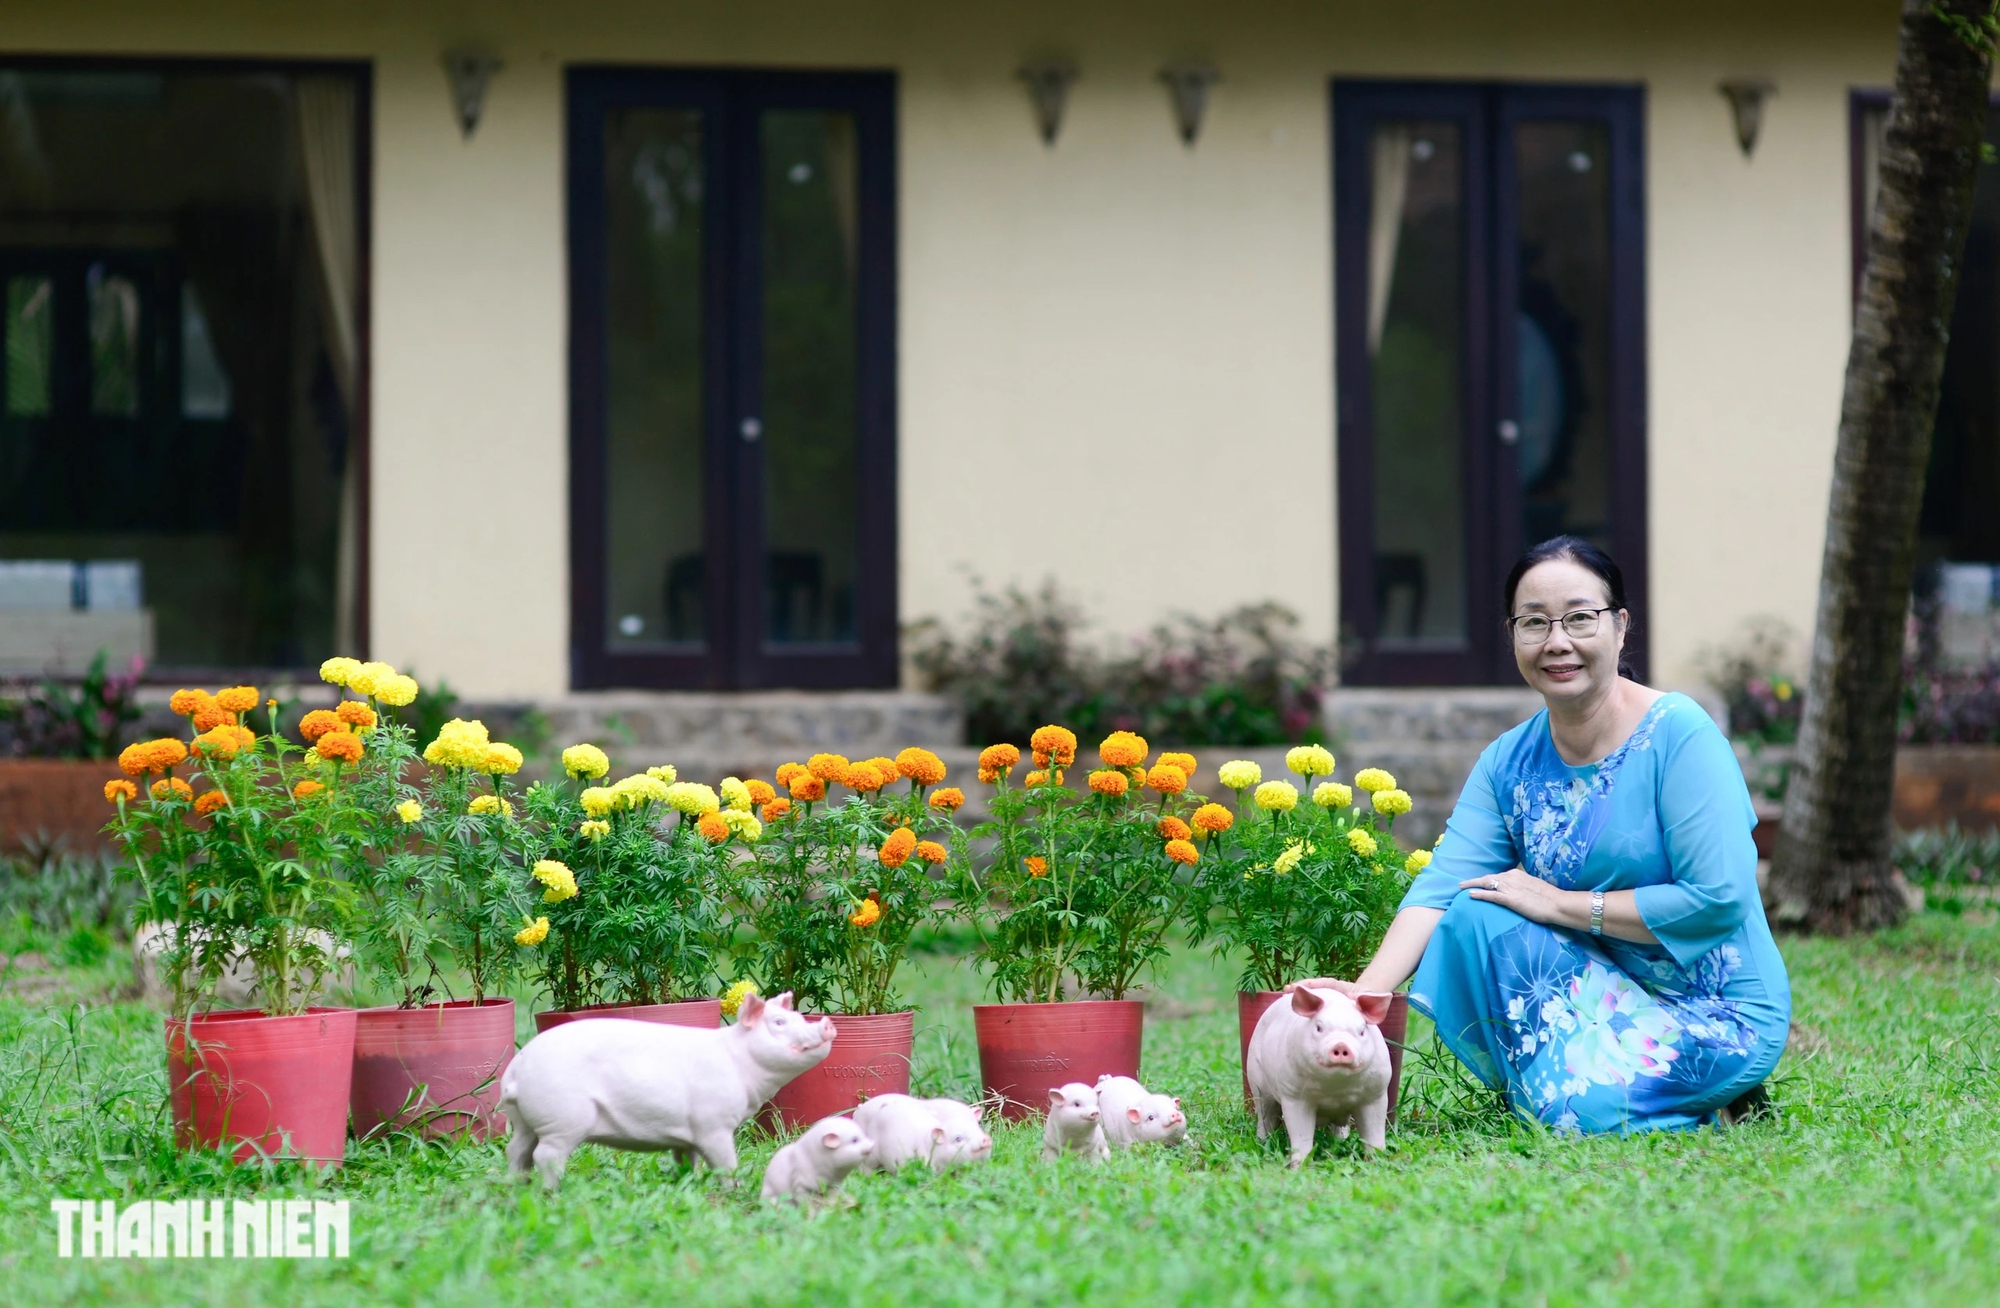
1389, 187
328, 159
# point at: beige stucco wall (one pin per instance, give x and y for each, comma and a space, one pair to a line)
1116, 356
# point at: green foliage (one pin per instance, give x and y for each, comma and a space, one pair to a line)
459, 884
52, 892
1752, 674
54, 719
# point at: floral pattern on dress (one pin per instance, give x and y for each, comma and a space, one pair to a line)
1555, 821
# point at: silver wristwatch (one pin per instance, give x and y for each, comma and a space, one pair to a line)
1597, 912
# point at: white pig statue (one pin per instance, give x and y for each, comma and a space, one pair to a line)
812, 1167
920, 1130
641, 1085
1075, 1124
1135, 1115
1321, 1058
965, 1134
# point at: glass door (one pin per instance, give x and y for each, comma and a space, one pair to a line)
1488, 255
732, 354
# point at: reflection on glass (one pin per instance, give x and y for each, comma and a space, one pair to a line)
114, 343
205, 391
811, 424
1564, 321
653, 491
31, 340
1416, 235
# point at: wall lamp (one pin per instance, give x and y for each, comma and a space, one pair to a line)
1746, 96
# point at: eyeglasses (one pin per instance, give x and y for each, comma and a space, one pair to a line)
1577, 624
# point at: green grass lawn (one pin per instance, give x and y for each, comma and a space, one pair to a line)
1879, 1181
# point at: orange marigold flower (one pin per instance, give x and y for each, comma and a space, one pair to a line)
930, 851
1167, 779
118, 786
1185, 762
998, 758
896, 850
776, 808
225, 741
868, 914
1213, 818
355, 714
1139, 775
135, 760
828, 767
989, 776
172, 786
760, 791
1182, 851
1174, 829
186, 702
920, 766
947, 798
863, 778
237, 699
317, 723
210, 716
1121, 749
340, 746
1036, 778
713, 828
210, 801
808, 787
151, 756
1058, 743
306, 789
1037, 865
786, 771
1107, 782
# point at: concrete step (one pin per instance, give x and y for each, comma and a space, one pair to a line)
1461, 713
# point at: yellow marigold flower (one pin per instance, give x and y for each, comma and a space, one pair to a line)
1361, 842
760, 790
1289, 860
1418, 860
867, 915
210, 801
896, 850
807, 787
486, 804
339, 671
339, 747
713, 828
1107, 782
863, 777
597, 801
1213, 818
1167, 779
593, 830
355, 714
585, 762
930, 851
502, 760
238, 699
947, 798
226, 741
1278, 796
1037, 865
1331, 794
829, 768
1392, 803
1240, 774
561, 882
369, 678
1309, 760
736, 795
997, 759
786, 771
185, 702
533, 934
1053, 744
664, 772
1374, 779
119, 788
317, 723
689, 797
459, 744
920, 766
397, 691
306, 789
776, 809
1183, 851
1122, 749
410, 811
732, 998
1185, 762
744, 826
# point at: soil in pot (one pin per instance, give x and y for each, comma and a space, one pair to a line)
434, 1070
1250, 1005
705, 1013
1026, 1050
871, 1056
272, 1086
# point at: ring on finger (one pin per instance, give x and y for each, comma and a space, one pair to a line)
1491, 884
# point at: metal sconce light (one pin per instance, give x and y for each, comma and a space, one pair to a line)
1188, 84
1746, 98
1048, 88
468, 69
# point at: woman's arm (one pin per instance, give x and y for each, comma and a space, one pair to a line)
1538, 901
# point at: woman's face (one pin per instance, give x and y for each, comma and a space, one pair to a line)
1565, 667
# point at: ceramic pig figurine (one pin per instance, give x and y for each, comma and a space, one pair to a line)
1320, 1057
921, 1130
1134, 1115
640, 1085
813, 1166
965, 1135
1075, 1124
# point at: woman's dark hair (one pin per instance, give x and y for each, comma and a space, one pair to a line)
1577, 550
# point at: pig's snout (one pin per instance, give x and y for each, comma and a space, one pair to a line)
1338, 1053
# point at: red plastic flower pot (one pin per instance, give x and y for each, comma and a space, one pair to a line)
1027, 1050
871, 1056
1250, 1005
434, 1070
706, 1013
272, 1086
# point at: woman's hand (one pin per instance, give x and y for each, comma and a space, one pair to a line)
1347, 988
1530, 896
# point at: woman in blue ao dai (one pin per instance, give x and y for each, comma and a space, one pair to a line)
1589, 938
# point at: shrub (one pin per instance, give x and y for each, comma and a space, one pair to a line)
50, 719
1752, 675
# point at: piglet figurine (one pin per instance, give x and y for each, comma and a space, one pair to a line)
921, 1130
1075, 1124
641, 1085
1134, 1115
1321, 1058
965, 1135
812, 1167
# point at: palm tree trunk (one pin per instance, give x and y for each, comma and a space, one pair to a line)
1831, 870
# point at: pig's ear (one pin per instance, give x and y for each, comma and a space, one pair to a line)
832, 1140
1374, 1007
978, 1113
1177, 1101
1132, 1116
1056, 1097
784, 1000
937, 1135
752, 1010
1306, 1003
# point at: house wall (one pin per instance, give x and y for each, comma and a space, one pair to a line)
1116, 355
